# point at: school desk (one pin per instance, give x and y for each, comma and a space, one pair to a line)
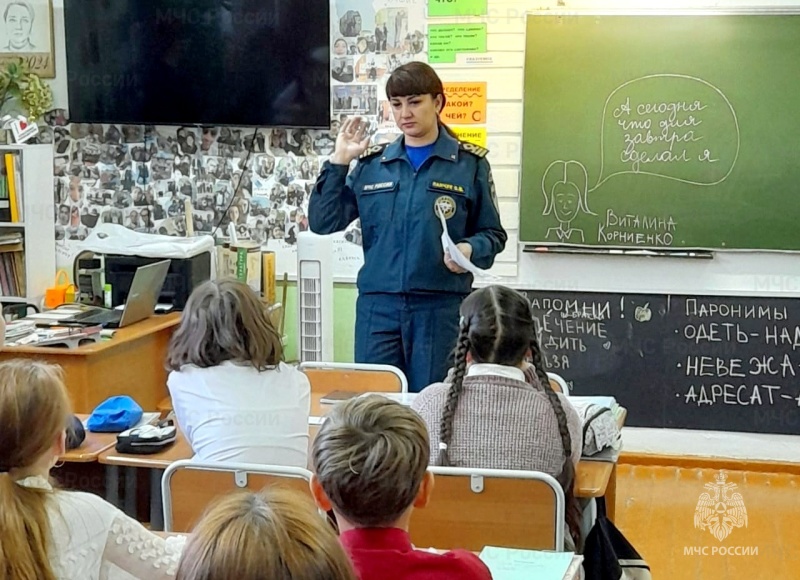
131, 363
593, 478
156, 463
80, 470
597, 479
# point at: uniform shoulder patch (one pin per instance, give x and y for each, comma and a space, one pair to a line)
476, 150
373, 150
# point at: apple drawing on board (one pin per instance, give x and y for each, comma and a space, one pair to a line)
643, 313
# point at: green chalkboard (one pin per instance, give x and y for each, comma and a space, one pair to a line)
662, 131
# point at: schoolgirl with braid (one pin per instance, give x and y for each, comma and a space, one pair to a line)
498, 411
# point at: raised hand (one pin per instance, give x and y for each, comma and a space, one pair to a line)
351, 141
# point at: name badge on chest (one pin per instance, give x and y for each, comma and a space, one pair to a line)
443, 186
381, 186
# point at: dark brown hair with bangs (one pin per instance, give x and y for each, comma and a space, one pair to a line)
417, 78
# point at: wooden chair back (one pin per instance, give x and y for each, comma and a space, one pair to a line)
358, 378
473, 508
189, 488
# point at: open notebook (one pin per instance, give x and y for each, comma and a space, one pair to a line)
513, 564
335, 397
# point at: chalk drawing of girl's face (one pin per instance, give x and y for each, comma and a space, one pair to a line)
566, 198
564, 190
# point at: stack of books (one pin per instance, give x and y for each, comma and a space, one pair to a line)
71, 336
12, 264
18, 330
10, 188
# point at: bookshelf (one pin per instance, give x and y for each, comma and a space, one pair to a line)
36, 225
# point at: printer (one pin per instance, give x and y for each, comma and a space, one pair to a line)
184, 275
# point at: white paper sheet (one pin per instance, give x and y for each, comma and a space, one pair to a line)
449, 246
513, 564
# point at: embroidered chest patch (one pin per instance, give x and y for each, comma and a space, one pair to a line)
444, 205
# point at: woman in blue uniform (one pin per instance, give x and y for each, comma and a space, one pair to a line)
409, 289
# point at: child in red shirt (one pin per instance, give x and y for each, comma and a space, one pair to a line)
370, 461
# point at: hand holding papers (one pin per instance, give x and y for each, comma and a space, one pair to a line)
458, 257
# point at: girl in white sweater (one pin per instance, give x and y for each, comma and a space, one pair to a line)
234, 398
48, 534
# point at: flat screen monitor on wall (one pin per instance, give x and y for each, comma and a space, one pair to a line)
199, 62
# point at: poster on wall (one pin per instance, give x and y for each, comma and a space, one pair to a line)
475, 135
370, 39
466, 103
447, 41
26, 33
457, 8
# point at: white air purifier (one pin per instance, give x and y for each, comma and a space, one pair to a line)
314, 297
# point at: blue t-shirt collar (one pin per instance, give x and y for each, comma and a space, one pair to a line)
445, 147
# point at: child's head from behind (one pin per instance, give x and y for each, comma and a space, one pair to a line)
224, 320
496, 326
276, 533
370, 459
34, 411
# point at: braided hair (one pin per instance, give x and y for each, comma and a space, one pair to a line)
497, 327
454, 392
567, 476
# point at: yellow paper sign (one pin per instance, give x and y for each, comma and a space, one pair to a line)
466, 103
475, 135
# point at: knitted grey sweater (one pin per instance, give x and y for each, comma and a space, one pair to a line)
500, 423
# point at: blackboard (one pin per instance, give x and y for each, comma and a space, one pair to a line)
712, 363
662, 131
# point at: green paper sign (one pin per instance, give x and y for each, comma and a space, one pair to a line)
446, 40
458, 7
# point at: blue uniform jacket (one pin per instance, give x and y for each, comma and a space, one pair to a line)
401, 232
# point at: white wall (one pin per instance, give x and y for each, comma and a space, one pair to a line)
729, 273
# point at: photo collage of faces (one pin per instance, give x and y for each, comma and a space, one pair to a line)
370, 40
142, 178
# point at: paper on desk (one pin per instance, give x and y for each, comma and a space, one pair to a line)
449, 246
600, 401
406, 399
54, 315
512, 564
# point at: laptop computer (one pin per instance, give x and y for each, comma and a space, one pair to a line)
140, 304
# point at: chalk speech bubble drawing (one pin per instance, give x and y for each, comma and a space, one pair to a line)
671, 126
